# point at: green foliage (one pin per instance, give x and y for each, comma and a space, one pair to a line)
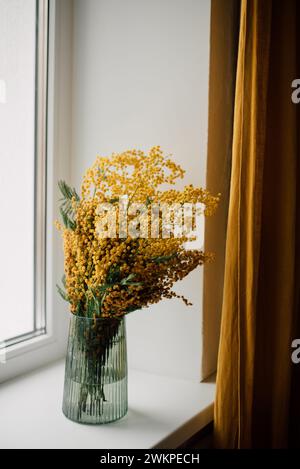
92, 304
113, 275
69, 195
62, 293
63, 280
127, 281
114, 278
67, 221
161, 259
67, 192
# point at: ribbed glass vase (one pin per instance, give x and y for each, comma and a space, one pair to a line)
95, 389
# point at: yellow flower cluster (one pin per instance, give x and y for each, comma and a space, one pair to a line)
132, 172
113, 276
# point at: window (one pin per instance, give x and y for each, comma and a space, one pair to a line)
23, 66
35, 97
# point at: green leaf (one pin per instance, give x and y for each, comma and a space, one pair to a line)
127, 279
92, 304
97, 306
67, 191
63, 280
130, 277
62, 293
113, 275
89, 307
66, 208
67, 220
78, 309
161, 259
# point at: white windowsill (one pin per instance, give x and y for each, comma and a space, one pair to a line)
163, 412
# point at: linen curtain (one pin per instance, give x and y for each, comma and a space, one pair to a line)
223, 59
258, 386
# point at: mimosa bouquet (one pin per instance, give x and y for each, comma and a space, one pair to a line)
126, 270
125, 244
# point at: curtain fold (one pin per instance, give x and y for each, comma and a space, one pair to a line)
223, 58
255, 375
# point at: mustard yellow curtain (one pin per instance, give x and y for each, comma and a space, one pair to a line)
223, 59
257, 383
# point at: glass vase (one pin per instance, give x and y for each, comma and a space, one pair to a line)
95, 388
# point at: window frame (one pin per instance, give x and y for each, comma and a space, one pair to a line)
52, 156
40, 160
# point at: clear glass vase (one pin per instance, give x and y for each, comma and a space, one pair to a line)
95, 389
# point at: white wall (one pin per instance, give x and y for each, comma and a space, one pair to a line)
141, 79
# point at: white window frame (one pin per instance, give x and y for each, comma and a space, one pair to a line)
54, 128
